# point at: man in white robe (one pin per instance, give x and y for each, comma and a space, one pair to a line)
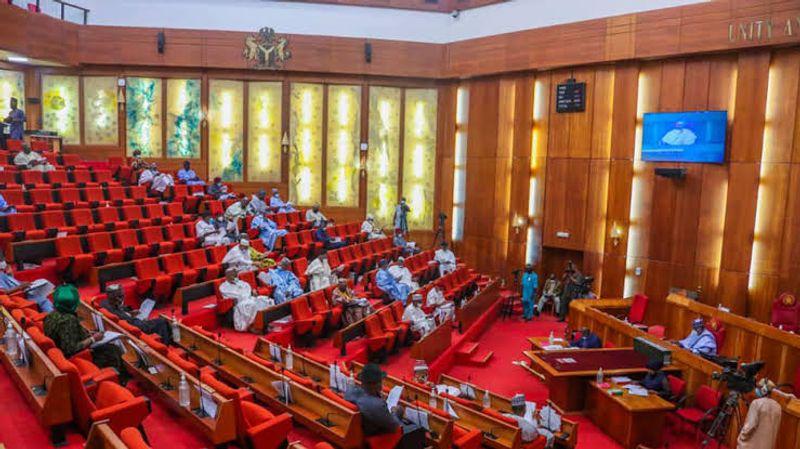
267, 229
161, 181
314, 216
257, 205
147, 175
237, 211
421, 323
31, 160
286, 284
402, 274
246, 305
239, 258
278, 205
228, 227
368, 227
528, 426
444, 310
209, 233
446, 259
319, 272
700, 340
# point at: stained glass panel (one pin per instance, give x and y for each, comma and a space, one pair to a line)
264, 131
384, 151
143, 106
183, 118
100, 110
305, 164
60, 107
344, 136
419, 156
12, 84
225, 129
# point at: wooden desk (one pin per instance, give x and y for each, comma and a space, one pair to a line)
631, 420
567, 386
475, 308
540, 343
102, 437
433, 344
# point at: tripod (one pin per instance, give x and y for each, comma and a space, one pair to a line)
728, 412
439, 237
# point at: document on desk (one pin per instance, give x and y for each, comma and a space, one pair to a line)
621, 379
108, 337
394, 396
636, 390
98, 322
417, 417
566, 360
145, 309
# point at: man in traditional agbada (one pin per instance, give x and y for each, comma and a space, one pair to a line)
389, 285
267, 229
247, 305
286, 284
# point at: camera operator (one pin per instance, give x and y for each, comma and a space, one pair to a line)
760, 428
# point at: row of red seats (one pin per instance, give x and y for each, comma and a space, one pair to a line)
291, 221
303, 243
385, 330
57, 199
420, 265
44, 146
456, 284
57, 178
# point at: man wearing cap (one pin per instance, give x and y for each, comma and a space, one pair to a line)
246, 305
328, 242
115, 303
368, 227
446, 259
238, 257
286, 284
389, 285
445, 310
219, 191
421, 374
376, 418
319, 272
354, 308
700, 340
277, 204
655, 380
31, 160
267, 229
206, 230
257, 205
529, 428
188, 176
402, 273
399, 239
421, 324
587, 340
760, 429
314, 216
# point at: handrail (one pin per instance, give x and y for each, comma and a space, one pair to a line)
63, 6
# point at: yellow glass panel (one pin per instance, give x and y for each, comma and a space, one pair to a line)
12, 84
419, 156
100, 110
225, 129
183, 118
384, 152
264, 131
305, 164
60, 107
344, 137
143, 106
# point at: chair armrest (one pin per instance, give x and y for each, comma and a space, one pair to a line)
130, 413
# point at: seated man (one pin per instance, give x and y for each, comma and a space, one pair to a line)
403, 274
409, 248
314, 216
31, 160
246, 305
5, 208
257, 205
587, 340
115, 303
239, 257
529, 428
389, 285
319, 272
268, 231
376, 417
446, 259
328, 242
421, 323
148, 174
700, 340
444, 310
655, 379
550, 292
206, 230
237, 211
286, 284
187, 176
161, 181
228, 227
219, 191
277, 204
36, 291
373, 232
354, 308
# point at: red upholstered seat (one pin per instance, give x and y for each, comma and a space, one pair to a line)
154, 341
305, 321
299, 267
333, 396
133, 439
83, 178
151, 279
786, 312
389, 323
175, 210
134, 216
677, 387
44, 342
385, 441
207, 377
154, 235
638, 308
32, 178
718, 330
103, 248
320, 305
59, 179
139, 195
118, 196
293, 247
197, 260
178, 233
71, 198
705, 402
377, 338
175, 266
129, 240
54, 222
71, 260
113, 402
94, 196
155, 212
109, 216
24, 226
263, 429
176, 356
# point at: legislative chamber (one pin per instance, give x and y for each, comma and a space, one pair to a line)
399, 224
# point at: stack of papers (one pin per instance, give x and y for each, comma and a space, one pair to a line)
636, 390
621, 379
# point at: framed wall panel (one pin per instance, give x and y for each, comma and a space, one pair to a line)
419, 156
183, 118
384, 152
12, 85
100, 121
61, 108
344, 135
143, 106
305, 123
226, 129
264, 131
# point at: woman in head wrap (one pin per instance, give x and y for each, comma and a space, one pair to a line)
656, 380
64, 327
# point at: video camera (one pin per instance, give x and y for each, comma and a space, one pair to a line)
739, 378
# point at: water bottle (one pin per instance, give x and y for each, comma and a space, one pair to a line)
352, 381
11, 342
176, 331
289, 358
551, 338
184, 399
432, 400
487, 401
600, 375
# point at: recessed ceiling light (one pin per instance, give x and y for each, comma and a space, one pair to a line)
18, 59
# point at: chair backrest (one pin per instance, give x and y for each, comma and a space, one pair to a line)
153, 234
147, 268
132, 212
387, 318
133, 438
107, 214
299, 266
14, 196
154, 210
372, 326
82, 405
126, 238
706, 398
217, 253
57, 177
41, 195
197, 258
99, 241
785, 310
677, 386
253, 414
718, 330
176, 231
69, 246
44, 342
53, 219
397, 309
93, 194
69, 195
173, 263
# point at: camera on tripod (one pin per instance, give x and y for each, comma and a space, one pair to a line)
739, 378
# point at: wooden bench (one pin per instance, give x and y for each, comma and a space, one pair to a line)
44, 387
432, 345
102, 437
476, 307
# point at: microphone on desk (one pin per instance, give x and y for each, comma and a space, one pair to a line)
166, 384
326, 421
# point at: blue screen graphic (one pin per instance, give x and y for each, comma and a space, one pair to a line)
684, 136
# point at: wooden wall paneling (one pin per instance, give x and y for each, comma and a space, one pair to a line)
566, 191
503, 215
580, 123
740, 216
613, 276
671, 90
559, 127
538, 166
521, 168
780, 111
445, 143
596, 215
603, 107
623, 119
661, 216
790, 257
747, 134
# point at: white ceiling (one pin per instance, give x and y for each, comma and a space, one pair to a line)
361, 22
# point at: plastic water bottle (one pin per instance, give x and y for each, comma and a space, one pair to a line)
11, 342
551, 338
432, 400
289, 358
184, 399
487, 401
176, 331
600, 375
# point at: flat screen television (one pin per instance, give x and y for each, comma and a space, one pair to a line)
684, 136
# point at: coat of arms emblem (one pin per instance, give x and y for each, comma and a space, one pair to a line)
265, 50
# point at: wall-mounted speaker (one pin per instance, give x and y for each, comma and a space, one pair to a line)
161, 41
367, 52
674, 173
